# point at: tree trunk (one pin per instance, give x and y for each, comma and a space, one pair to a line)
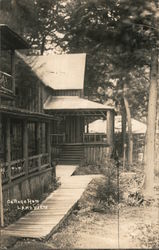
124, 136
43, 45
130, 137
151, 125
145, 140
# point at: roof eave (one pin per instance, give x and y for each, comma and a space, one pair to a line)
10, 40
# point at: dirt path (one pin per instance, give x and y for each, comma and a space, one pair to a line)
95, 230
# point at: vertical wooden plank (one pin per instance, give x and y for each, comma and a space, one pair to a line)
94, 153
1, 198
13, 70
90, 154
1, 193
71, 127
110, 127
37, 137
43, 138
39, 96
83, 127
75, 124
48, 144
8, 147
87, 126
25, 145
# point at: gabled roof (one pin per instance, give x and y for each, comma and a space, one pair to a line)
10, 40
99, 126
59, 71
73, 103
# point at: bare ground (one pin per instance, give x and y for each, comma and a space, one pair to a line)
96, 230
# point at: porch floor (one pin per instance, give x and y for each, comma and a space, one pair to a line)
41, 223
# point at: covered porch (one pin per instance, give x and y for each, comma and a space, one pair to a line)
25, 154
71, 140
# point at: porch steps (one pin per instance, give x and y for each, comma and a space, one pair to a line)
71, 154
43, 222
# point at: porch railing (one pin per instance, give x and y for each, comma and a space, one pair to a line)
22, 167
57, 138
6, 82
94, 138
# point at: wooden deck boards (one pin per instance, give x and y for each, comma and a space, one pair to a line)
40, 223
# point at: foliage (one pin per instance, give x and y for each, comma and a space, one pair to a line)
108, 192
88, 169
119, 36
148, 236
116, 44
37, 20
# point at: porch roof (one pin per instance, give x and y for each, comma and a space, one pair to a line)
73, 103
22, 113
10, 40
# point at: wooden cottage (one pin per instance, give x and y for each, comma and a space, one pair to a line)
71, 141
25, 152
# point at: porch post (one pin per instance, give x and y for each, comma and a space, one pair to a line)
25, 145
38, 142
87, 126
48, 141
13, 70
1, 192
8, 148
43, 138
110, 127
37, 136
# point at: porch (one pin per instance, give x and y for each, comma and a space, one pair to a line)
24, 167
25, 155
92, 149
71, 141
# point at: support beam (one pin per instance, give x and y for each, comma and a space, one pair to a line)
1, 193
38, 142
110, 127
43, 138
48, 141
48, 147
37, 136
8, 148
13, 70
25, 145
87, 127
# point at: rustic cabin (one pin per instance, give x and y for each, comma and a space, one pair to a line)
71, 141
25, 152
44, 118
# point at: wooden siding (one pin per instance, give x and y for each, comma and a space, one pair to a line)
92, 154
30, 92
95, 153
16, 139
74, 129
55, 152
68, 92
33, 185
